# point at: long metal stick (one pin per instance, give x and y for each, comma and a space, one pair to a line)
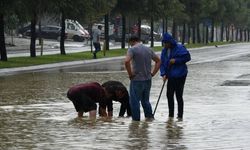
159, 96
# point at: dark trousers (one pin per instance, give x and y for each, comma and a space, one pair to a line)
175, 86
97, 47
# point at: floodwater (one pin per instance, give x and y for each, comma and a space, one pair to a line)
35, 113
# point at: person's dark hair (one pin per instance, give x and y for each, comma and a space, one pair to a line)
99, 27
134, 38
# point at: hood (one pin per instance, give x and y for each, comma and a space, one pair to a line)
168, 38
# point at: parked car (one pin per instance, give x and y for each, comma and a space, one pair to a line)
49, 32
25, 30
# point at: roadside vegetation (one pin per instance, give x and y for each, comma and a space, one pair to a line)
56, 58
190, 21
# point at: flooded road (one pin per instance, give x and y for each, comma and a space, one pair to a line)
35, 113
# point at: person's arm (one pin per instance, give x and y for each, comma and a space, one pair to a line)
157, 65
122, 109
129, 113
110, 108
182, 57
125, 105
128, 66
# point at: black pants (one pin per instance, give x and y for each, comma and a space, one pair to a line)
97, 48
175, 86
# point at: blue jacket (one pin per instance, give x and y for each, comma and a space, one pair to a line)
181, 56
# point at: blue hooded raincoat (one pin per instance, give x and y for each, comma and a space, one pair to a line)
179, 53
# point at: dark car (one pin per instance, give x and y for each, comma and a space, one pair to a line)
49, 32
25, 30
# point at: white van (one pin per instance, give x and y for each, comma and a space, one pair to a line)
75, 31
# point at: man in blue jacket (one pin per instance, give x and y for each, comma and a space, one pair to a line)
174, 69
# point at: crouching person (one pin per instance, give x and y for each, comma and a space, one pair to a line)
85, 96
116, 91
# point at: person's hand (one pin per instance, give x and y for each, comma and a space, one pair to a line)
172, 61
164, 78
131, 76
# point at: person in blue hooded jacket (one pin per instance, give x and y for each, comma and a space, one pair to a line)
173, 68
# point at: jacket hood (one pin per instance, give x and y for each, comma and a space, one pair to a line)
168, 38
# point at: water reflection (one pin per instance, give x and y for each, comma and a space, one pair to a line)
36, 114
174, 135
138, 135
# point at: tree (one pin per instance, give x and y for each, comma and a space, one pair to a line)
3, 52
6, 9
100, 9
123, 8
193, 10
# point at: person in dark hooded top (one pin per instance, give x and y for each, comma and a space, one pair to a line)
173, 68
116, 91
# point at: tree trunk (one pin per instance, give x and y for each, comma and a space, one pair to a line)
33, 36
241, 35
245, 35
198, 33
237, 34
183, 33
163, 26
216, 33
189, 33
139, 27
152, 32
227, 33
123, 31
203, 33
106, 32
232, 39
62, 48
248, 35
166, 25
174, 29
212, 31
3, 52
207, 35
91, 36
39, 32
193, 35
222, 32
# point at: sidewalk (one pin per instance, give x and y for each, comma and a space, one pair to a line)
10, 71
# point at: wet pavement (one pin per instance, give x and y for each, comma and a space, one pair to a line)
35, 113
21, 46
